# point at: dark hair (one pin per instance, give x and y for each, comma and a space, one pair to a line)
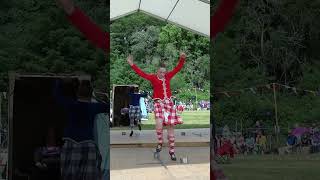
162, 65
84, 89
136, 89
131, 89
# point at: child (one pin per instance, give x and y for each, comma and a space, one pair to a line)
261, 142
164, 109
135, 109
240, 143
227, 148
80, 156
249, 144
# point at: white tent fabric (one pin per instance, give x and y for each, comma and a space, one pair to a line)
193, 15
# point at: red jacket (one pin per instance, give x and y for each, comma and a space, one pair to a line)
222, 16
161, 88
101, 39
90, 30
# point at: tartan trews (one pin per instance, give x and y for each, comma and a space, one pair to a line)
171, 143
80, 161
160, 135
134, 114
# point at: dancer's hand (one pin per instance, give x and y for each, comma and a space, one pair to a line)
67, 5
130, 60
183, 55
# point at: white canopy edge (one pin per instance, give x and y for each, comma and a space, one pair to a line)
172, 13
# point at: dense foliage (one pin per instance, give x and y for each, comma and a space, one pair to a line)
36, 37
268, 41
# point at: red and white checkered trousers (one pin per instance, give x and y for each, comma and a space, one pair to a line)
166, 111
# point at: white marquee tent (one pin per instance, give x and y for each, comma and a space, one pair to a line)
193, 15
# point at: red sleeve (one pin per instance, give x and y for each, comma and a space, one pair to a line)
91, 31
222, 16
141, 73
177, 68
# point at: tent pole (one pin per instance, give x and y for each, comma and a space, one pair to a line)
172, 10
236, 125
139, 5
0, 117
241, 126
276, 112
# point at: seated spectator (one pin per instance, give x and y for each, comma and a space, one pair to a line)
315, 142
249, 144
261, 142
240, 143
226, 149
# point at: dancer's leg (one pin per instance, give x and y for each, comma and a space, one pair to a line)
139, 118
171, 141
131, 117
131, 126
159, 131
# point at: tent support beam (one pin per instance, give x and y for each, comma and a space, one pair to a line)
139, 5
205, 1
174, 23
172, 10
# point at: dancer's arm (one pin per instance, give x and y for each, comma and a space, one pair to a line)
144, 95
222, 16
85, 25
137, 69
182, 60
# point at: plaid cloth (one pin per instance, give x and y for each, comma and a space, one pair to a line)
134, 114
165, 110
80, 161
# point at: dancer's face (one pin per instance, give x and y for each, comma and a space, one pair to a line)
161, 72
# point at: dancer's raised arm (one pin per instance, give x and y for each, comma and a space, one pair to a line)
182, 60
137, 69
222, 16
85, 25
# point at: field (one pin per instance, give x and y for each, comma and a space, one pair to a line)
274, 167
191, 119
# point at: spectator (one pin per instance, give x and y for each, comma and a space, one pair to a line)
257, 129
261, 142
240, 143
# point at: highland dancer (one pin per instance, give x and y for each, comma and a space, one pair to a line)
135, 109
164, 109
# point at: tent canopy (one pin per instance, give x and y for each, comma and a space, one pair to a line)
193, 15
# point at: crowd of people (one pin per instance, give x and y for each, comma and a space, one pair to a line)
181, 106
229, 143
304, 136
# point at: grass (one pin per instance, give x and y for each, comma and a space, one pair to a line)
274, 167
191, 119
